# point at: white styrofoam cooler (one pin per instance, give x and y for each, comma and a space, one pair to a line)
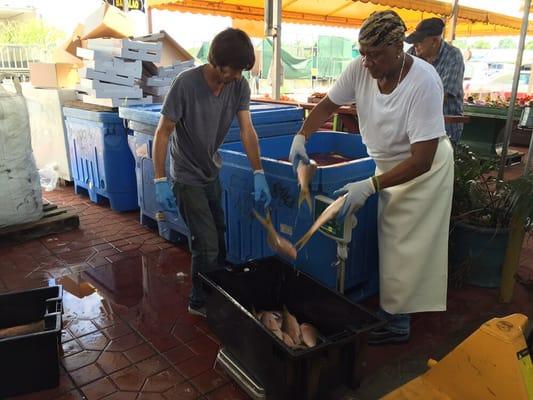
48, 133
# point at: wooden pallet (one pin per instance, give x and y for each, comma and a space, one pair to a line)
54, 220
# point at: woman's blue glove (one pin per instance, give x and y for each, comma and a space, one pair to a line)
357, 194
298, 152
261, 190
164, 196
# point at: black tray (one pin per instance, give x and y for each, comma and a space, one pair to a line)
30, 362
285, 373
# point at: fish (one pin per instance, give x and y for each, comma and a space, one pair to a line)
291, 327
288, 340
309, 334
275, 241
20, 330
329, 213
269, 319
305, 173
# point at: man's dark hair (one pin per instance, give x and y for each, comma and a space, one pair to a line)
232, 48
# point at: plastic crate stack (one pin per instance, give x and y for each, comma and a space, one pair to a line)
156, 81
112, 70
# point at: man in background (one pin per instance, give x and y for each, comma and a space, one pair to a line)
429, 45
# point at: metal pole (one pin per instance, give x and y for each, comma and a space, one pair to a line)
516, 78
149, 19
276, 50
529, 162
453, 20
125, 6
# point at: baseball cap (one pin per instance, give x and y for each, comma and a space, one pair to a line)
427, 27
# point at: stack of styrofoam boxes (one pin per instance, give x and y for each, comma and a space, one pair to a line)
112, 70
157, 80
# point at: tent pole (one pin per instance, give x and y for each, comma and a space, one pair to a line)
276, 50
516, 78
453, 19
149, 19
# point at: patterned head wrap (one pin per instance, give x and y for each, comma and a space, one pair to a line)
382, 28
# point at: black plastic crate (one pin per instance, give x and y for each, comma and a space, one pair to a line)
30, 362
284, 373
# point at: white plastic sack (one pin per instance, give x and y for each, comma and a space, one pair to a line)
20, 189
49, 177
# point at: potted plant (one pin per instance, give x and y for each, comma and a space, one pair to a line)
489, 219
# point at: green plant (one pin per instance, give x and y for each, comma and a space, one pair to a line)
481, 44
507, 43
481, 200
29, 32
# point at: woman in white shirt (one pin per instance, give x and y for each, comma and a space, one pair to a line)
399, 107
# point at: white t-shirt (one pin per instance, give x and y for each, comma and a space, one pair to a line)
390, 123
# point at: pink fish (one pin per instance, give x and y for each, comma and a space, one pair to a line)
328, 214
291, 327
309, 334
274, 240
305, 174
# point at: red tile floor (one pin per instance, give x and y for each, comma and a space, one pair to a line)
128, 334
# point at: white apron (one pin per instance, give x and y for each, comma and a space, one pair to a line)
413, 228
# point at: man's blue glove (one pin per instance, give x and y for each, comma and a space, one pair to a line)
298, 152
164, 196
261, 190
356, 195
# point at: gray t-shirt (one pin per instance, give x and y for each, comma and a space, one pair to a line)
202, 122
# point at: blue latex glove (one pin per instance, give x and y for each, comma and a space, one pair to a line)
298, 152
356, 195
164, 196
261, 190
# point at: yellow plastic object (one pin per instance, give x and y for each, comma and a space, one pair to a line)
351, 14
492, 363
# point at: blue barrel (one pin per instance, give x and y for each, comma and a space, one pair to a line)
246, 238
101, 162
269, 120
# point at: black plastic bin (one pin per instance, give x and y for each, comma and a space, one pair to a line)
30, 362
282, 372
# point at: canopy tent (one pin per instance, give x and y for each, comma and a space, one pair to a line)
352, 13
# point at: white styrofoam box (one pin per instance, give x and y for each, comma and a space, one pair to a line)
88, 54
114, 102
126, 48
174, 70
48, 132
156, 90
96, 84
110, 77
132, 68
156, 81
104, 93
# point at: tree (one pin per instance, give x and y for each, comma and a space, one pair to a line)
507, 43
33, 31
481, 44
529, 45
461, 44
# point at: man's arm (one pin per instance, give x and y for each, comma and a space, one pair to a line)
249, 139
162, 133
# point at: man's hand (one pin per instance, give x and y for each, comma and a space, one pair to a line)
298, 152
261, 190
357, 194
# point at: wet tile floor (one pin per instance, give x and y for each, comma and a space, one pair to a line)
128, 334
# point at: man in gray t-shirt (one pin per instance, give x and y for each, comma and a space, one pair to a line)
200, 106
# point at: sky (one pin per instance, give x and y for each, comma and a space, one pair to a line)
191, 30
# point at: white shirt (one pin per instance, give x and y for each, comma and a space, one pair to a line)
390, 123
